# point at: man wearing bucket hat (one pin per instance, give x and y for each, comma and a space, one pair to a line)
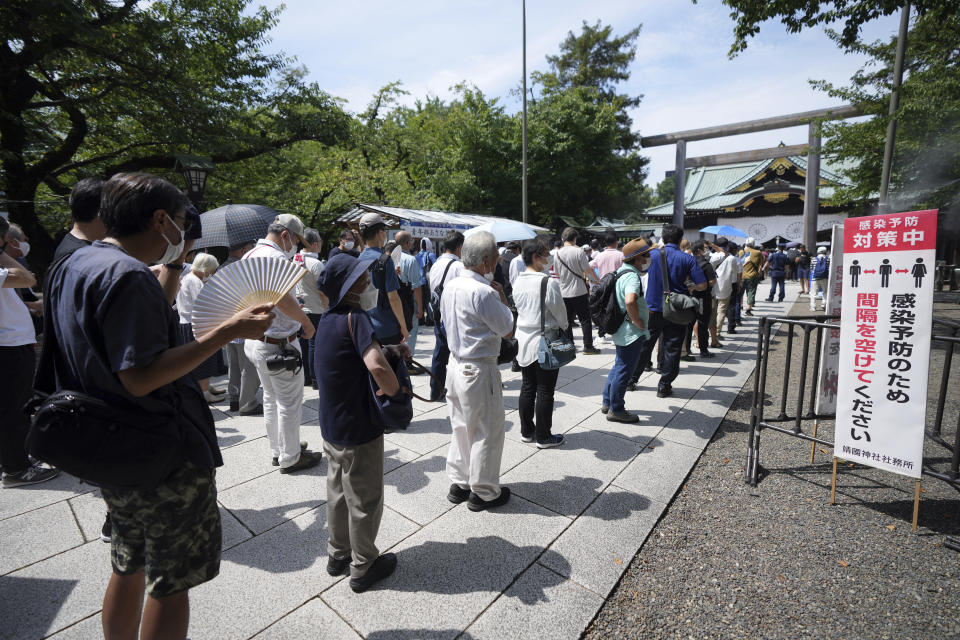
343, 354
283, 389
632, 335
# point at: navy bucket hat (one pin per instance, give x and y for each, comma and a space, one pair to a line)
340, 274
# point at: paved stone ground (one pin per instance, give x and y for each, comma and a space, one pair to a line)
541, 566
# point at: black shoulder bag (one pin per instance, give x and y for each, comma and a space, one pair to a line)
116, 447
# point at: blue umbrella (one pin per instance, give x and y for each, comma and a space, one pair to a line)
723, 230
234, 224
505, 230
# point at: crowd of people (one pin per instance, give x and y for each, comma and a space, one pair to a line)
121, 291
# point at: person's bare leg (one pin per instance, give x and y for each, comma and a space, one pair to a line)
166, 618
122, 605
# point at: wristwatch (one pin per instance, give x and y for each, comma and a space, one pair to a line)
174, 267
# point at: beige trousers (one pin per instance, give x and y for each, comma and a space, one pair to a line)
719, 312
354, 502
475, 398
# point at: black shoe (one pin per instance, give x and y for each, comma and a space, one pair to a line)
605, 408
234, 405
665, 392
303, 447
308, 460
591, 352
456, 495
648, 367
256, 411
688, 358
623, 416
552, 441
731, 332
748, 312
315, 386
706, 354
106, 533
338, 567
382, 567
768, 300
34, 474
632, 386
515, 366
476, 503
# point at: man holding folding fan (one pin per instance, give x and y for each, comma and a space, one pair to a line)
283, 388
116, 340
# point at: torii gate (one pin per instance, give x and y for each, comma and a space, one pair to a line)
811, 202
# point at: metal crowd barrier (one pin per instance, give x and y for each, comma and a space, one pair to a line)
802, 421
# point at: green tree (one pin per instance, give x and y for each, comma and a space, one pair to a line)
926, 163
96, 87
797, 15
664, 192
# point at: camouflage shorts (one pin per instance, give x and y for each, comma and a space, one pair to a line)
171, 533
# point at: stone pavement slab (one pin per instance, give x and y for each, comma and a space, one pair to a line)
538, 606
538, 567
449, 571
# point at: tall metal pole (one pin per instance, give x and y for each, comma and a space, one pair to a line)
524, 125
679, 182
894, 105
811, 192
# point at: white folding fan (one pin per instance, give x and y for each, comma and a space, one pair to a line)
240, 285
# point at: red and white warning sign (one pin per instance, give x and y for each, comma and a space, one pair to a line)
885, 328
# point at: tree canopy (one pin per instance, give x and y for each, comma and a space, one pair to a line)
797, 15
96, 87
926, 163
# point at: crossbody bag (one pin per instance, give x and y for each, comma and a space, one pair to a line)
552, 353
678, 308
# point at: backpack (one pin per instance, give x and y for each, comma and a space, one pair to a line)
822, 268
605, 311
405, 292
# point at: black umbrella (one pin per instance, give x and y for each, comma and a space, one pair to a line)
234, 224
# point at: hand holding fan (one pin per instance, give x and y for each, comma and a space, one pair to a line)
240, 285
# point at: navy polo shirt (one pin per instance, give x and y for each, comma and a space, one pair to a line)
111, 315
778, 264
384, 321
680, 266
345, 400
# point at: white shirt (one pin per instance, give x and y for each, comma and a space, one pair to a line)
306, 289
282, 325
727, 268
436, 271
16, 327
517, 266
526, 297
190, 287
473, 316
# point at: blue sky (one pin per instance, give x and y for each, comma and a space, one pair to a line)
353, 48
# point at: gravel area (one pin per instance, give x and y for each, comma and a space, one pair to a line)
726, 561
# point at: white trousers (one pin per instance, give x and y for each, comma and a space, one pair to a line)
282, 401
475, 398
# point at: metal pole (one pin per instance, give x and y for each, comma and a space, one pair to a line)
524, 125
884, 205
679, 180
811, 195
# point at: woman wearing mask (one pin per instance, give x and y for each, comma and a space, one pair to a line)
632, 334
204, 266
536, 393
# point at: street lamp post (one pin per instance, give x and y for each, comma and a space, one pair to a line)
195, 170
524, 124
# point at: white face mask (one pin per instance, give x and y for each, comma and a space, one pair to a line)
172, 251
550, 261
292, 251
368, 299
24, 248
347, 246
